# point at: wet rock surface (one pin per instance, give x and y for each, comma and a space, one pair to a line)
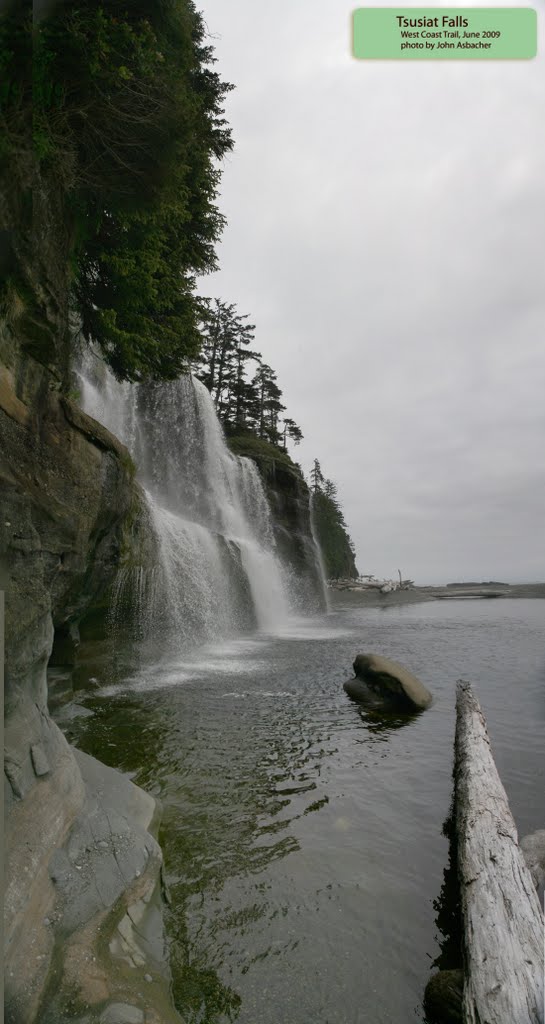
388, 679
108, 928
122, 1013
68, 503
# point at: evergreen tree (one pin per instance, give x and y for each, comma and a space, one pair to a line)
330, 491
272, 408
212, 318
127, 130
316, 477
330, 526
262, 383
292, 431
241, 390
245, 405
222, 362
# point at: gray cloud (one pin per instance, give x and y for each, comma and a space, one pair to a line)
386, 233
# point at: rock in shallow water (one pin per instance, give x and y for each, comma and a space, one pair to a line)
390, 680
359, 690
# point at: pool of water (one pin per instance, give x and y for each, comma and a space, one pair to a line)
302, 834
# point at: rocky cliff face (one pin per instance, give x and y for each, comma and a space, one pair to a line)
82, 919
68, 501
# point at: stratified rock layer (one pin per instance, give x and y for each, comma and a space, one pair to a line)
68, 505
110, 958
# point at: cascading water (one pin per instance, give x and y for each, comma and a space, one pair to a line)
319, 556
218, 573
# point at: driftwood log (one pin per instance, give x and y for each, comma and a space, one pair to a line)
502, 916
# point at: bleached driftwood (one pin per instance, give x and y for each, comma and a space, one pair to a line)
502, 917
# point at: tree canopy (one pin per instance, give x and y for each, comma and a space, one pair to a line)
127, 122
245, 390
249, 404
112, 114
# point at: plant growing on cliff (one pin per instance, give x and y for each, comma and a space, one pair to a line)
127, 122
225, 351
291, 430
316, 477
245, 404
331, 529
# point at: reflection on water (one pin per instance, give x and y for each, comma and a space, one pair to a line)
378, 717
448, 906
303, 832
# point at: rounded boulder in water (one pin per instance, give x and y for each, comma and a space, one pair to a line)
358, 690
388, 679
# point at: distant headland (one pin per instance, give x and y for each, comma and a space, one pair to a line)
362, 592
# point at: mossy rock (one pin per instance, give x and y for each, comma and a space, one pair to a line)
443, 997
391, 680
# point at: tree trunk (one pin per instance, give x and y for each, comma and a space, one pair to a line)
502, 917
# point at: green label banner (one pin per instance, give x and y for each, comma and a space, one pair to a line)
445, 33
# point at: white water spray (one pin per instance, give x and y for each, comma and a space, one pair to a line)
319, 556
219, 573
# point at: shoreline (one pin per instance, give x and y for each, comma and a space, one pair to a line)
374, 598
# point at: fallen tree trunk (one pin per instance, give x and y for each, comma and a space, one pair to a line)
502, 917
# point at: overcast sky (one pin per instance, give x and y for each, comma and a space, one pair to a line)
386, 233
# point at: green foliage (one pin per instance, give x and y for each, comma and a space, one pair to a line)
335, 543
292, 431
244, 405
15, 79
223, 358
255, 447
316, 477
127, 121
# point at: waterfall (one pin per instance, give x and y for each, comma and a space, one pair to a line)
218, 571
319, 556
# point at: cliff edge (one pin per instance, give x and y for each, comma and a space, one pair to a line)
68, 500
